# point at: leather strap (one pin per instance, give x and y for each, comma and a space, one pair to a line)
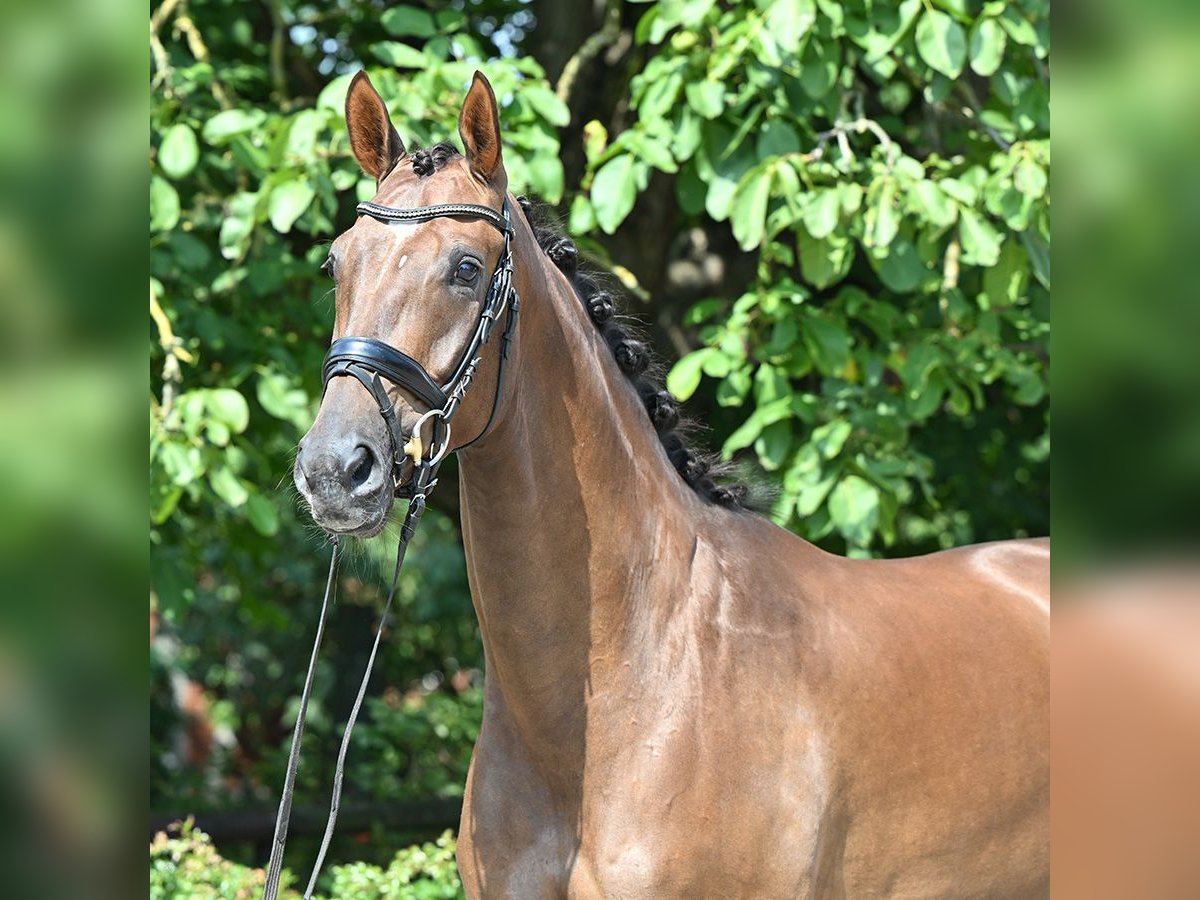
398, 368
440, 210
370, 361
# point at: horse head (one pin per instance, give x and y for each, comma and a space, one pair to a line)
411, 275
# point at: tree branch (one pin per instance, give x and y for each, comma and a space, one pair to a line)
173, 351
199, 50
588, 51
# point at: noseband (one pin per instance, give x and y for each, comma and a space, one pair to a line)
372, 361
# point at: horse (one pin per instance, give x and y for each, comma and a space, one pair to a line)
682, 699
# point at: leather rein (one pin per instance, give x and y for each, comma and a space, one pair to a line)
372, 362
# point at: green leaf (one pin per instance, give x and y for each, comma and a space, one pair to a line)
684, 376
288, 202
883, 219
854, 509
1020, 29
987, 47
333, 95
164, 204
614, 191
771, 383
1039, 256
280, 399
1030, 178
718, 199
822, 212
179, 151
790, 20
811, 494
660, 97
733, 388
941, 43
829, 344
302, 136
1005, 282
692, 12
980, 240
824, 263
773, 445
183, 465
238, 225
450, 20
918, 365
547, 104
932, 203
819, 71
716, 363
747, 433
901, 270
399, 55
749, 213
1030, 389
653, 151
228, 487
777, 139
830, 437
227, 125
229, 406
262, 515
706, 97
407, 20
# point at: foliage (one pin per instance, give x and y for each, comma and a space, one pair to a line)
418, 745
875, 176
424, 871
899, 211
188, 865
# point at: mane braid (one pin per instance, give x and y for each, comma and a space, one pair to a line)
426, 162
704, 472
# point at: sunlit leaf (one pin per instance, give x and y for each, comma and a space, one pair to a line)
288, 202
987, 46
614, 192
179, 151
941, 42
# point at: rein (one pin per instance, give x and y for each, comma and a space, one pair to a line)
372, 361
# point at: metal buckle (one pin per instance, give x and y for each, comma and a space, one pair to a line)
414, 448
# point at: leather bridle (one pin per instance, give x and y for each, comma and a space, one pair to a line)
371, 362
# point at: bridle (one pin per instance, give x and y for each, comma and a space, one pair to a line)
371, 362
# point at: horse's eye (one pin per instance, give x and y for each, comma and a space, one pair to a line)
327, 266
467, 272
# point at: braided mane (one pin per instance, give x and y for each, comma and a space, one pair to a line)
704, 472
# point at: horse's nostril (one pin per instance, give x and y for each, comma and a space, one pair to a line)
360, 464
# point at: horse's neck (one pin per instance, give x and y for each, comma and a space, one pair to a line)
571, 515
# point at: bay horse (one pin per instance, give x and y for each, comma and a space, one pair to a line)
682, 699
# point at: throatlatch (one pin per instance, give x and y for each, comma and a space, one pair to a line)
371, 362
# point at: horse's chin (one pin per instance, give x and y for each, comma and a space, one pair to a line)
357, 523
370, 528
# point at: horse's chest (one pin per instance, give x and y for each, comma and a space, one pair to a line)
661, 809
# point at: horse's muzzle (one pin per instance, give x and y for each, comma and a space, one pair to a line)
346, 482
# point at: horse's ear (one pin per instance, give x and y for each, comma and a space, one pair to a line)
479, 128
373, 138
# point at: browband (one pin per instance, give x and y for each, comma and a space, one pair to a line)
425, 213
